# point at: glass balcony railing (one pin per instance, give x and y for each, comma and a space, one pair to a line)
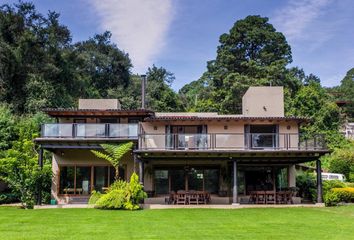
215, 141
88, 130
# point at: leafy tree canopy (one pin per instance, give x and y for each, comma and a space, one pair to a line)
253, 53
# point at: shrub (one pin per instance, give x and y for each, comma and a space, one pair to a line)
120, 195
135, 193
94, 197
327, 185
114, 199
338, 195
306, 184
350, 184
342, 161
119, 184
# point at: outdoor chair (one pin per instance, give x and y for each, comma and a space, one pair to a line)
280, 197
270, 197
193, 198
171, 199
288, 198
181, 198
260, 197
253, 197
201, 197
207, 197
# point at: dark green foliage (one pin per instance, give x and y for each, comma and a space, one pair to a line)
342, 161
6, 198
344, 93
159, 95
306, 184
7, 123
41, 67
18, 163
253, 53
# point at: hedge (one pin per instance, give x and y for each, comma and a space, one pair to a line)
339, 195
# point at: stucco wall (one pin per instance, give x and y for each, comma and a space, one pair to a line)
229, 134
99, 104
263, 102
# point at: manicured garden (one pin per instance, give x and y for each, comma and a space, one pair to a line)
280, 223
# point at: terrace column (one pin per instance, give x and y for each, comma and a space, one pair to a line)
40, 163
319, 181
234, 190
141, 172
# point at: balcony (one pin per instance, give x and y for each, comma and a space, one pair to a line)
220, 141
90, 131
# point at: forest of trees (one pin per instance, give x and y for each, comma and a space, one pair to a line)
41, 66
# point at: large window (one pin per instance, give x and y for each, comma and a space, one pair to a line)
282, 178
261, 136
186, 137
101, 178
161, 181
67, 180
81, 180
187, 178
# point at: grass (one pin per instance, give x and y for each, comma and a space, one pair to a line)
277, 223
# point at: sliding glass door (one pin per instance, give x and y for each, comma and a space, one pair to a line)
81, 180
101, 178
187, 179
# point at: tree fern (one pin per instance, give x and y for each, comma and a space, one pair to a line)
114, 153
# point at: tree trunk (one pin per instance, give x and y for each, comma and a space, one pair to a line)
116, 177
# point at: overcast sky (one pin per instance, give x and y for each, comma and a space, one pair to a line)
182, 35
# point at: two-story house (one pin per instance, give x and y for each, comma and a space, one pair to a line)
228, 156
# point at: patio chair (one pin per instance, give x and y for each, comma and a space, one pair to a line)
171, 199
253, 197
181, 198
193, 198
288, 197
201, 197
207, 197
280, 197
260, 197
270, 197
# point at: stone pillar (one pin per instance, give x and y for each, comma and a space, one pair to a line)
141, 172
319, 181
234, 190
292, 176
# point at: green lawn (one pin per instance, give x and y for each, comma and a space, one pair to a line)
280, 223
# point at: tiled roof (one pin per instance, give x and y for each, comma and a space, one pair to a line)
222, 117
72, 112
